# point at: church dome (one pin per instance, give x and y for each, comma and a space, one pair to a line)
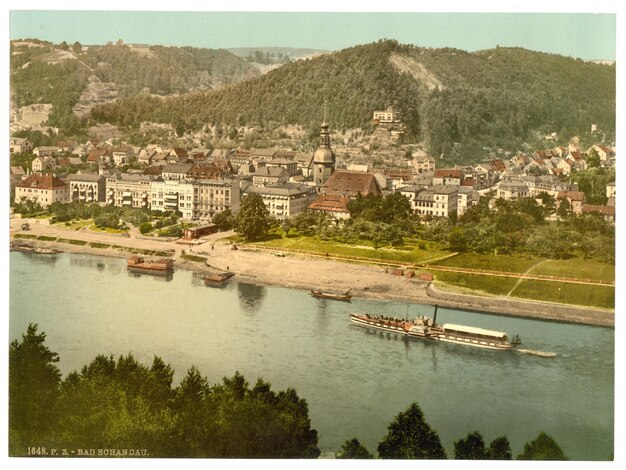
324, 155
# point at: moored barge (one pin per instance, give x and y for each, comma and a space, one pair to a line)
346, 297
159, 267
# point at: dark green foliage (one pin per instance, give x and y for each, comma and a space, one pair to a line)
33, 389
167, 70
145, 227
409, 436
224, 220
123, 404
500, 449
353, 449
593, 183
470, 448
496, 98
519, 227
171, 231
253, 221
543, 447
28, 208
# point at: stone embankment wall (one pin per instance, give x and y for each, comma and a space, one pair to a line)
524, 308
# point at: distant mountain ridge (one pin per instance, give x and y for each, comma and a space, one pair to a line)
42, 72
452, 100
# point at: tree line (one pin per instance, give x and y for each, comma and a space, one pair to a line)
504, 227
123, 404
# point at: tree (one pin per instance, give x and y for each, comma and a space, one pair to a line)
593, 159
470, 448
542, 448
410, 437
253, 220
565, 208
353, 449
223, 220
33, 389
145, 227
500, 449
77, 47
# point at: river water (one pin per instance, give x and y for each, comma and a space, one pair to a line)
354, 381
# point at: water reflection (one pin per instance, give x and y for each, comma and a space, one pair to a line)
41, 258
167, 277
251, 296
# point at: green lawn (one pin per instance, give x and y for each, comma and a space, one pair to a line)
577, 268
568, 293
504, 263
404, 255
548, 291
492, 285
75, 224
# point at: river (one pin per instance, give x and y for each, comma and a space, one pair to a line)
354, 381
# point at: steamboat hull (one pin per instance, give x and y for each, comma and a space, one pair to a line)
432, 333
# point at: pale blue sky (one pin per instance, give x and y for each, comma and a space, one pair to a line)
586, 36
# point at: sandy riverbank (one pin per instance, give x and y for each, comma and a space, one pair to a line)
296, 271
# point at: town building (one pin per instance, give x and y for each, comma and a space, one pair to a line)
424, 164
437, 201
284, 199
173, 195
335, 206
45, 151
87, 187
20, 145
352, 184
447, 177
176, 171
610, 190
211, 196
511, 190
42, 189
126, 190
389, 116
290, 165
267, 175
467, 197
576, 200
41, 164
608, 212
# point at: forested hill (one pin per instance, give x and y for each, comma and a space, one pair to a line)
42, 72
498, 98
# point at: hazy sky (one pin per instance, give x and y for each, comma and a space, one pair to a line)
586, 36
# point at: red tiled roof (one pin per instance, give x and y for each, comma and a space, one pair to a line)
448, 173
352, 183
468, 182
153, 170
205, 172
606, 210
571, 195
38, 181
498, 165
330, 203
404, 174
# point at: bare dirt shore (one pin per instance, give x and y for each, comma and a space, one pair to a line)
296, 271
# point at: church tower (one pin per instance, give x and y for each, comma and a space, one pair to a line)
323, 158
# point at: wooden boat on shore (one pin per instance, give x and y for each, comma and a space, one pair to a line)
25, 248
346, 297
159, 267
425, 328
218, 279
